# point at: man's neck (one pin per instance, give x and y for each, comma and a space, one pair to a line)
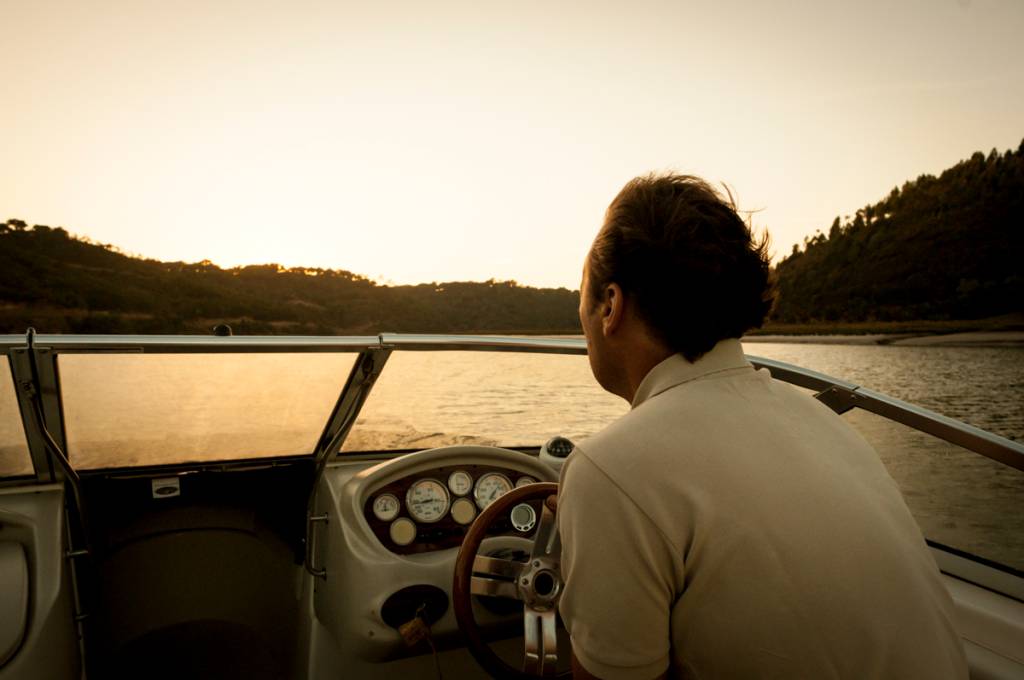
637, 357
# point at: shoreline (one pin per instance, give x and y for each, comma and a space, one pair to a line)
996, 338
961, 339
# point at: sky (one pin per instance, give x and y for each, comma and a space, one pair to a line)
415, 142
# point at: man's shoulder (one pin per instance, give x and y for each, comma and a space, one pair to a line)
626, 432
628, 454
645, 424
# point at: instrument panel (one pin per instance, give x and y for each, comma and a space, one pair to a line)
432, 510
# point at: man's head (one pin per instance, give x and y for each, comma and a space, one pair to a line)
682, 267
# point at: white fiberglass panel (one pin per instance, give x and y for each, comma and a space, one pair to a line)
136, 409
14, 457
428, 399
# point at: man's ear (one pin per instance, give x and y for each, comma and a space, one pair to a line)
613, 309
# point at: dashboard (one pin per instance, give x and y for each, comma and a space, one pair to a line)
432, 510
391, 533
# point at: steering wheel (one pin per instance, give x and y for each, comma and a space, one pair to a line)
537, 583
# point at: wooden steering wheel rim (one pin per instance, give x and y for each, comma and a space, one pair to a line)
461, 596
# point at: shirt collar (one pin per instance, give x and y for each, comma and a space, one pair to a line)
676, 370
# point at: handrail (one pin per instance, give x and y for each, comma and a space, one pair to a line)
202, 344
799, 376
484, 343
842, 396
966, 436
170, 344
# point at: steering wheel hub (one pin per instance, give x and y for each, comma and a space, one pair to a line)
541, 584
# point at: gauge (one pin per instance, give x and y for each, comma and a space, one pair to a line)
523, 481
403, 531
463, 510
489, 487
427, 500
460, 482
386, 507
523, 517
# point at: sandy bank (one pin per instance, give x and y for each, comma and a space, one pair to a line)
969, 339
820, 339
974, 339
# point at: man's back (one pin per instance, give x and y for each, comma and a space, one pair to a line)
751, 527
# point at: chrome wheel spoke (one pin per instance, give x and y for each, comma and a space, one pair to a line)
495, 577
489, 587
495, 567
546, 542
541, 653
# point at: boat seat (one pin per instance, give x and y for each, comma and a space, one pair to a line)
13, 598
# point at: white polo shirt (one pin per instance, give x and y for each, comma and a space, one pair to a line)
731, 526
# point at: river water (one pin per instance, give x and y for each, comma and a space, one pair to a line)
959, 498
123, 410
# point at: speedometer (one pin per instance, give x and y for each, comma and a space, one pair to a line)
427, 500
489, 487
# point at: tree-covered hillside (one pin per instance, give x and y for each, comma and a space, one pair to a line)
59, 283
937, 248
946, 247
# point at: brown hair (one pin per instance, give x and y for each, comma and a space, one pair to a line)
686, 259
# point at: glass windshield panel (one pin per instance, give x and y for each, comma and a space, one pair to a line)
428, 399
14, 457
959, 498
135, 409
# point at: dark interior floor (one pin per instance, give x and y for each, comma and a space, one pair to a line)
218, 650
200, 585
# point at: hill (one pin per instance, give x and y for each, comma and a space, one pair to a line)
936, 249
946, 247
59, 283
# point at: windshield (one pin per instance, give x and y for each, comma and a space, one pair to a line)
14, 458
428, 399
131, 410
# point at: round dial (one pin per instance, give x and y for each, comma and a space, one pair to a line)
523, 481
402, 531
386, 507
489, 487
460, 482
463, 510
523, 517
427, 500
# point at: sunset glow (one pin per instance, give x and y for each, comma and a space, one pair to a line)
415, 142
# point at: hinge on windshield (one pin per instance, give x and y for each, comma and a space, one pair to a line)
839, 399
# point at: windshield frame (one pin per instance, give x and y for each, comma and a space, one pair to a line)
43, 377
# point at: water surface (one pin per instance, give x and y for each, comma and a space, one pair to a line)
126, 410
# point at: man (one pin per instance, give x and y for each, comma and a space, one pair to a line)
728, 526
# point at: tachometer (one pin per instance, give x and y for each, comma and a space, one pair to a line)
489, 487
386, 507
427, 500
